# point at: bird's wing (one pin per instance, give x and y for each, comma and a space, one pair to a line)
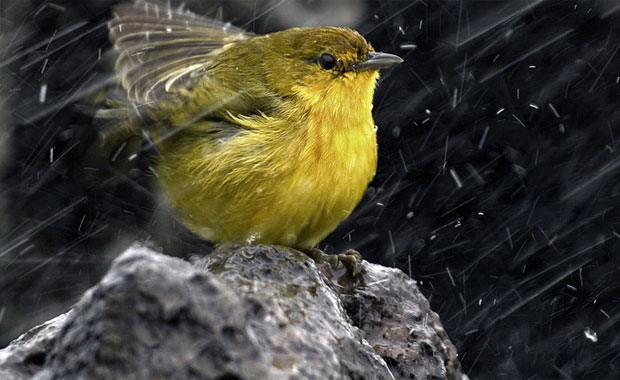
162, 51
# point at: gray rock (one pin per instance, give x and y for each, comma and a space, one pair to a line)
25, 356
256, 312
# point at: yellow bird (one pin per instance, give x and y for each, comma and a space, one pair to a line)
262, 138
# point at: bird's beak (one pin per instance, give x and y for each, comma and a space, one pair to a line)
376, 61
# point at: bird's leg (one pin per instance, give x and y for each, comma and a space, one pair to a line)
348, 258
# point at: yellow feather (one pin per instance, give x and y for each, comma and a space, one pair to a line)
299, 191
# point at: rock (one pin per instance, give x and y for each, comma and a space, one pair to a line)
254, 312
25, 356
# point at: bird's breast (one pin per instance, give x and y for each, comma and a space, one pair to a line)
336, 158
287, 179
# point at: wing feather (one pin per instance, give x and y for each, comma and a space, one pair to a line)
162, 51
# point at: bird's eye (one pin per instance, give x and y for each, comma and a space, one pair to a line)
327, 61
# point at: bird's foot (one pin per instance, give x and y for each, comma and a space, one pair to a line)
349, 259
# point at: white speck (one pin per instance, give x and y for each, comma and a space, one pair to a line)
156, 174
532, 66
400, 29
456, 178
496, 57
562, 129
480, 302
590, 334
392, 242
605, 313
44, 65
380, 204
168, 30
534, 106
571, 287
499, 111
555, 112
118, 151
428, 112
52, 154
426, 120
410, 215
458, 224
81, 223
480, 213
408, 46
518, 120
433, 237
484, 137
42, 93
133, 157
254, 236
420, 24
450, 275
455, 97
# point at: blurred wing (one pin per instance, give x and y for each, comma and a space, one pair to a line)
162, 50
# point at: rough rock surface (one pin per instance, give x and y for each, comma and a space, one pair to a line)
240, 313
25, 356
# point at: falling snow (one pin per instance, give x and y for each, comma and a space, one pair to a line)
498, 186
590, 334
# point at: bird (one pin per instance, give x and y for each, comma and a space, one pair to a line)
260, 139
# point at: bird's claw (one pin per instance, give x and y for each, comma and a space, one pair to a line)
349, 259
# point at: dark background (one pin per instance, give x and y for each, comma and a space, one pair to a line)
497, 186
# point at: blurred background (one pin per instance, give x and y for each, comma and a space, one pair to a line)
497, 190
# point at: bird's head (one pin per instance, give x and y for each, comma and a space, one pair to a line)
313, 65
319, 63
